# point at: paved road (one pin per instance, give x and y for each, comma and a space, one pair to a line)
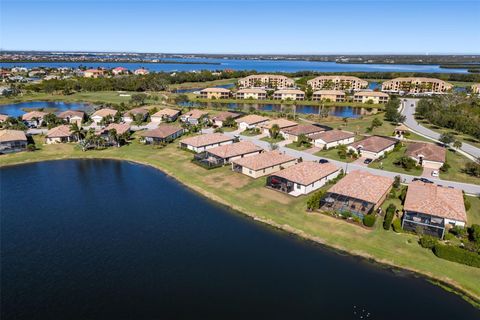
470, 151
348, 167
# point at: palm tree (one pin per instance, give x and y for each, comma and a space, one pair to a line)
76, 131
457, 144
113, 137
274, 131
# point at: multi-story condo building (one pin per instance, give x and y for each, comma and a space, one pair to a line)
266, 81
416, 85
373, 96
253, 93
215, 93
337, 83
329, 95
292, 94
476, 88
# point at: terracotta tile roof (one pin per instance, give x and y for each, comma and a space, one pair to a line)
401, 127
104, 112
363, 186
428, 151
307, 172
371, 94
59, 132
33, 114
163, 131
289, 91
3, 117
264, 160
215, 90
206, 139
71, 113
435, 200
305, 129
234, 149
222, 116
12, 135
166, 112
252, 90
136, 111
282, 123
252, 119
196, 113
333, 78
330, 92
121, 128
332, 135
374, 143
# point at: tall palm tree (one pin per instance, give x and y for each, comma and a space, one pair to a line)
76, 131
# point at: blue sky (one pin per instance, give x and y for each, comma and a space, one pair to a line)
296, 27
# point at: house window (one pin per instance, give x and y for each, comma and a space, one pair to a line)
298, 186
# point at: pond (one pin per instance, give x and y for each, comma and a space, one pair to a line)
103, 239
17, 109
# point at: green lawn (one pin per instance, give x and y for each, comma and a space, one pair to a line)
271, 140
294, 146
252, 198
206, 84
473, 214
332, 153
387, 163
457, 163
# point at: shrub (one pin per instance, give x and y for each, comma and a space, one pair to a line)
396, 182
403, 195
474, 233
397, 226
31, 147
369, 220
313, 201
387, 222
428, 242
457, 254
459, 231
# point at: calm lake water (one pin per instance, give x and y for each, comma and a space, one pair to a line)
340, 111
259, 65
102, 239
16, 109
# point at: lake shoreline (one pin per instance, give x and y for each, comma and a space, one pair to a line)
445, 284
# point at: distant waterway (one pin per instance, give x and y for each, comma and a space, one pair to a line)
102, 239
238, 64
18, 109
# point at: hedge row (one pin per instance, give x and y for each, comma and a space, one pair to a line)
457, 254
387, 222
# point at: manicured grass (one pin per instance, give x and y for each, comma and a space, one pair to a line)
457, 164
473, 214
294, 146
251, 197
332, 153
388, 163
249, 133
271, 140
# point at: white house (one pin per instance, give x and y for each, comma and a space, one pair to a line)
373, 147
428, 155
251, 121
263, 164
204, 142
99, 115
332, 138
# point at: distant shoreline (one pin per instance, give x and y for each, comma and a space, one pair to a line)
112, 61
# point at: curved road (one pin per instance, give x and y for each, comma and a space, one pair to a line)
408, 111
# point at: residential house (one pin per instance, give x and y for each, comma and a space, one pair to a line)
332, 138
119, 70
12, 141
415, 85
428, 155
214, 93
99, 115
373, 97
194, 117
337, 83
373, 147
251, 121
3, 117
303, 177
251, 93
269, 81
219, 118
329, 95
289, 94
281, 123
94, 73
225, 154
121, 129
165, 115
165, 133
34, 118
141, 72
72, 116
204, 142
130, 115
293, 133
263, 164
60, 134
359, 193
432, 209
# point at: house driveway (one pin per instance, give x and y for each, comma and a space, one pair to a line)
359, 162
427, 173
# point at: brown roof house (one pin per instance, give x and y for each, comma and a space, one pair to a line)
165, 115
163, 134
222, 155
219, 118
281, 123
214, 93
130, 115
204, 142
430, 209
332, 138
98, 115
12, 141
359, 193
293, 133
251, 121
34, 118
194, 117
72, 116
303, 178
373, 147
60, 134
329, 95
263, 164
121, 129
427, 155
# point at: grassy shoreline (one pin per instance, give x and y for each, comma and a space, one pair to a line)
289, 214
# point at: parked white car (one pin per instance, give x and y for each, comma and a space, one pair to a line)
435, 173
